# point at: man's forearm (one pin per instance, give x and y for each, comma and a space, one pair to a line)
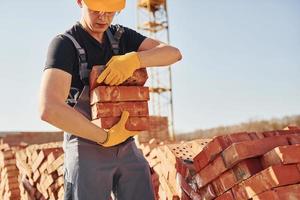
66, 118
161, 55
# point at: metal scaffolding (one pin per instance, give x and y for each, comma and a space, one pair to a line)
152, 19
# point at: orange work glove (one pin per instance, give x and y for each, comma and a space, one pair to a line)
118, 133
119, 69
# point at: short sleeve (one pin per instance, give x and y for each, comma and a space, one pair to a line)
133, 39
61, 54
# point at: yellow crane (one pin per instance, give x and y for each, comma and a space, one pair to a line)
152, 19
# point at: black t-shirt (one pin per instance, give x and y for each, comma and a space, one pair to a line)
62, 53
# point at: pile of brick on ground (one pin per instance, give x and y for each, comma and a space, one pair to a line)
31, 172
41, 171
248, 165
9, 184
167, 161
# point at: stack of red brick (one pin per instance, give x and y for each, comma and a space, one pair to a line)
108, 102
41, 172
247, 166
166, 162
9, 184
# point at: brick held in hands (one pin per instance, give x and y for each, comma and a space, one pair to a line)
138, 108
119, 93
132, 124
138, 78
290, 192
282, 155
248, 149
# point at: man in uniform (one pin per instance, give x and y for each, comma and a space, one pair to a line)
98, 161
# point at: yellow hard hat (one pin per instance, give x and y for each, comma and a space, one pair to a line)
105, 5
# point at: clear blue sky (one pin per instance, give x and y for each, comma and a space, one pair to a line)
241, 59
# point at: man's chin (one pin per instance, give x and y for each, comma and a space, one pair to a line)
100, 27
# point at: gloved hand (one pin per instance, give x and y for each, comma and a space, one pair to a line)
119, 69
118, 133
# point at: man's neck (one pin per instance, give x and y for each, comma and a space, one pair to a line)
97, 36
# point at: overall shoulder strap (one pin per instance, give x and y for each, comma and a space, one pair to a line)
84, 72
115, 39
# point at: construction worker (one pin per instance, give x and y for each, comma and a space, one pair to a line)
98, 162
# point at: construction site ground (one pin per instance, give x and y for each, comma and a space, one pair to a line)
245, 165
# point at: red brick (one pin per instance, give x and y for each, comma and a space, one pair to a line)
41, 156
4, 155
292, 127
217, 145
135, 109
210, 172
119, 93
274, 176
248, 149
185, 169
207, 192
290, 192
138, 78
224, 182
279, 132
239, 191
282, 155
184, 196
188, 170
226, 196
132, 124
247, 168
170, 192
179, 167
201, 160
294, 139
239, 172
28, 187
187, 188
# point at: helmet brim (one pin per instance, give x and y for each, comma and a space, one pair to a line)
105, 5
